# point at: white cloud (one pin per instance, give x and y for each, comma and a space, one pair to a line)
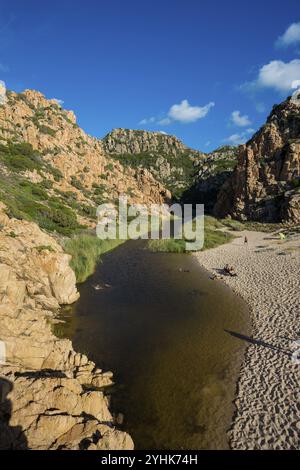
279, 75
207, 144
236, 139
60, 102
165, 121
2, 92
185, 113
239, 138
276, 74
182, 112
290, 37
150, 120
239, 120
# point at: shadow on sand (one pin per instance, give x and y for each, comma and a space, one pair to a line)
258, 342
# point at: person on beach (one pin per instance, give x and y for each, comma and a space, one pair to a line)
246, 241
230, 270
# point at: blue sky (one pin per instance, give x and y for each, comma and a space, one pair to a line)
180, 67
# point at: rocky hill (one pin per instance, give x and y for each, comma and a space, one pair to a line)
210, 173
164, 156
46, 160
265, 186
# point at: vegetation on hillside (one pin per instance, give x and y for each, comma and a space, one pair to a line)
181, 165
30, 201
20, 156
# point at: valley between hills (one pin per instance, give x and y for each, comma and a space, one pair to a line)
52, 178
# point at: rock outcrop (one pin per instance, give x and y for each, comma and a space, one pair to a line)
266, 182
169, 160
129, 141
50, 396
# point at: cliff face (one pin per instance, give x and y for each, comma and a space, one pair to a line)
265, 185
211, 172
164, 156
51, 397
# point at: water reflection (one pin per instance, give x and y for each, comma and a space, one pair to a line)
160, 327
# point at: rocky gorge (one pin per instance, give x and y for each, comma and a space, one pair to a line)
52, 178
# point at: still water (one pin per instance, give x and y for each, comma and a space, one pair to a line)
160, 327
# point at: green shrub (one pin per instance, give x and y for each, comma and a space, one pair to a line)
76, 183
47, 130
12, 235
20, 157
57, 174
109, 167
99, 189
295, 183
42, 248
26, 200
87, 211
47, 184
34, 189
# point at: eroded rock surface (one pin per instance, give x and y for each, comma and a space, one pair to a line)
266, 182
50, 396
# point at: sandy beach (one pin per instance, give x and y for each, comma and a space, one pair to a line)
268, 396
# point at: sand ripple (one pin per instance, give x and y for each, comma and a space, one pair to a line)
268, 394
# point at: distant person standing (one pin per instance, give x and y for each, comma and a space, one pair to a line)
246, 241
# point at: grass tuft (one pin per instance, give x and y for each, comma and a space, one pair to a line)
213, 237
86, 251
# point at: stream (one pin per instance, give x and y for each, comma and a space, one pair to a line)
159, 325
